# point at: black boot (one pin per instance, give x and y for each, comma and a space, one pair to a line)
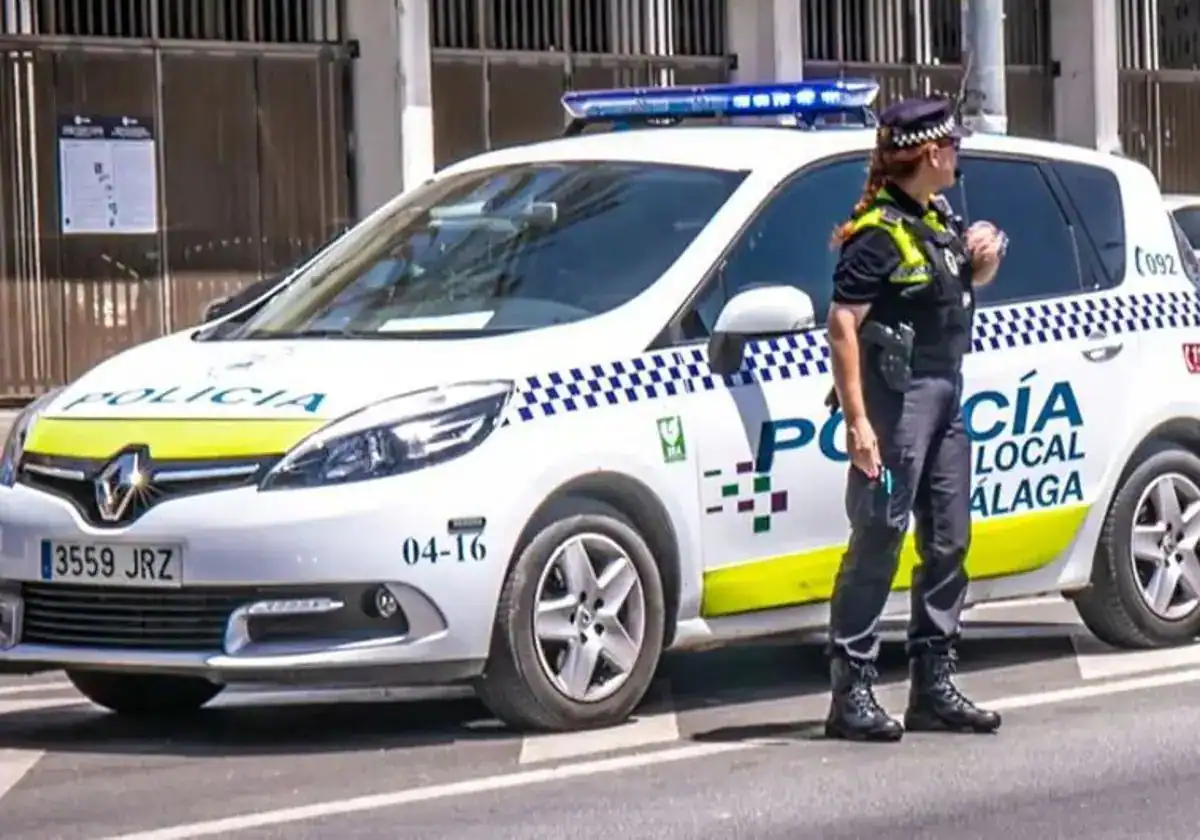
934, 702
855, 714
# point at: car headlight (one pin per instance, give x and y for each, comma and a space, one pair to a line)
398, 435
14, 444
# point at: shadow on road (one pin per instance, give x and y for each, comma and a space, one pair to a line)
688, 681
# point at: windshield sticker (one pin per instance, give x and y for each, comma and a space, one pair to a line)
459, 321
273, 399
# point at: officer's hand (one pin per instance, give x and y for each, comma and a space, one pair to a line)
985, 243
863, 447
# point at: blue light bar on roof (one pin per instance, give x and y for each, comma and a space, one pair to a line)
825, 97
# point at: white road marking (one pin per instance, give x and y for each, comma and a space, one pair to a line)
34, 687
643, 731
556, 773
1083, 692
9, 707
14, 764
590, 767
1098, 661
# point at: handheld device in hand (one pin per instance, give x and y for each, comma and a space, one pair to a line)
877, 503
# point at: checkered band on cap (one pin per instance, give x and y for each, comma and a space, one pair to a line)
915, 138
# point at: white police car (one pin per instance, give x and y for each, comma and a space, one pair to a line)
480, 437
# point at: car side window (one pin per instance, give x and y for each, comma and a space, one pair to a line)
1188, 219
1096, 197
1043, 257
787, 243
1188, 257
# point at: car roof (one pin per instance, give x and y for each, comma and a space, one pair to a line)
738, 148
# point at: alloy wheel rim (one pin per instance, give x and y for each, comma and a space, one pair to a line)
589, 620
1163, 546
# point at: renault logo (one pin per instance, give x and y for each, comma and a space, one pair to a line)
125, 479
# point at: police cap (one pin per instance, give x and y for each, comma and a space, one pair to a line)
911, 122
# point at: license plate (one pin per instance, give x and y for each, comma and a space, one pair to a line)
112, 564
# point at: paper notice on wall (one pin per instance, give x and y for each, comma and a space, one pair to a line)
107, 175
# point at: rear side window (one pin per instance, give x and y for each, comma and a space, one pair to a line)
1187, 253
1096, 196
1188, 219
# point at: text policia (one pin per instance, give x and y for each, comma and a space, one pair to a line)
1025, 453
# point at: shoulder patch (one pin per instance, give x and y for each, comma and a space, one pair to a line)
891, 215
942, 205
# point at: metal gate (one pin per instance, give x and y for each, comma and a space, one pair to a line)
500, 66
1159, 54
913, 47
247, 103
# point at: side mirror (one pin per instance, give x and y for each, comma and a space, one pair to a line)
756, 313
214, 309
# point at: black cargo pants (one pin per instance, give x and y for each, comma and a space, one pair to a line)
923, 444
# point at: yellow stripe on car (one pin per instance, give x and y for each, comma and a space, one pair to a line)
167, 440
1008, 545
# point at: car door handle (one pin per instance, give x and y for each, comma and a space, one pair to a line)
1104, 352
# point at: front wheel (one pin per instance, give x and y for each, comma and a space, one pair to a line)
1145, 589
144, 695
579, 626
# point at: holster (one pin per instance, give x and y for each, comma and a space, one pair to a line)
891, 348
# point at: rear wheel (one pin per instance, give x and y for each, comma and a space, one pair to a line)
580, 624
144, 695
1145, 589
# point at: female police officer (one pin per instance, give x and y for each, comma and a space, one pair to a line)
899, 325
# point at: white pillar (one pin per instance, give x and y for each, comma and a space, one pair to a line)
767, 38
416, 92
1083, 40
393, 113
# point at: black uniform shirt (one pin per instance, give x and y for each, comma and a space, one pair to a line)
864, 266
869, 257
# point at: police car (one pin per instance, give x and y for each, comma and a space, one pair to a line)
560, 409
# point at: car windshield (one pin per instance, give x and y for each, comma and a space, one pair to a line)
500, 250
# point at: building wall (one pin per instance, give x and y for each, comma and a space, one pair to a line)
248, 105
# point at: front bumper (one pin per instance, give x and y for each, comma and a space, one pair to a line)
302, 551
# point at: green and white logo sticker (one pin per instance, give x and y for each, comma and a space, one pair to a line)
670, 435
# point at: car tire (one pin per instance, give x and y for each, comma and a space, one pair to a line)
144, 695
1114, 607
519, 684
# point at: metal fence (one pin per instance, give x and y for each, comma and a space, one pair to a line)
248, 104
501, 66
913, 47
1159, 56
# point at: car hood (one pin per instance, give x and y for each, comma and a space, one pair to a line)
178, 378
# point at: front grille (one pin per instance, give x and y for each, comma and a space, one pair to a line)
104, 617
81, 492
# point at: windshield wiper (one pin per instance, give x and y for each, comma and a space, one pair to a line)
291, 335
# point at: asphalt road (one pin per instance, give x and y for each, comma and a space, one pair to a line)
1095, 744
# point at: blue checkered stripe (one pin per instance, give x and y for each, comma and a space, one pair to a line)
665, 373
682, 371
1044, 323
